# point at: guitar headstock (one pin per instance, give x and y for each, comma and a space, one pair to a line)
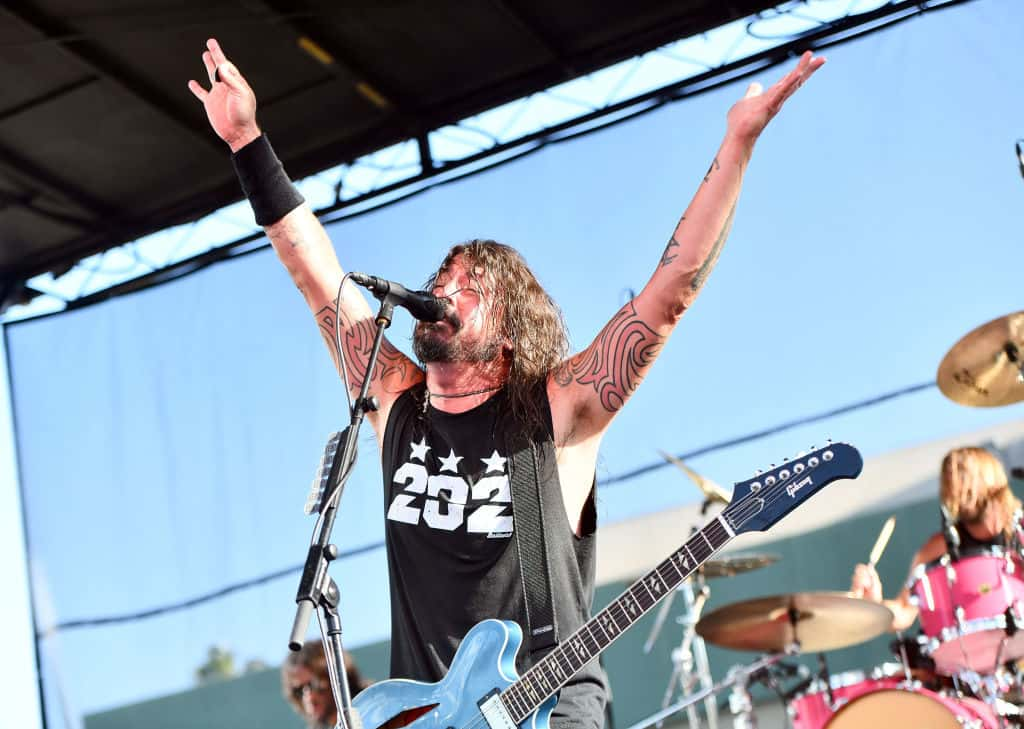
763, 500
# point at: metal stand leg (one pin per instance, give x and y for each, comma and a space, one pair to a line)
690, 665
737, 674
741, 705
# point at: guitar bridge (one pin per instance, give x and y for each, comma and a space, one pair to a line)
494, 711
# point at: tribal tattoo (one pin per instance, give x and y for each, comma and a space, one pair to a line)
357, 339
705, 268
711, 168
616, 362
666, 257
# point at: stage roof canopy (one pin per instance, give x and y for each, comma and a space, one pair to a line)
101, 142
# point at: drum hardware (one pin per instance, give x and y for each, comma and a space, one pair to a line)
743, 716
904, 658
825, 675
985, 368
690, 664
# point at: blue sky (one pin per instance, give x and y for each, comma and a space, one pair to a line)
880, 221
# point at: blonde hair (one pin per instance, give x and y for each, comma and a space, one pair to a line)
972, 482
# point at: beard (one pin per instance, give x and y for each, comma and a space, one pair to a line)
430, 344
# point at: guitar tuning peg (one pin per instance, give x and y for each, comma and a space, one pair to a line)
758, 472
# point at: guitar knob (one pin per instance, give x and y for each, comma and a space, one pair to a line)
799, 468
770, 481
827, 456
755, 487
784, 474
813, 461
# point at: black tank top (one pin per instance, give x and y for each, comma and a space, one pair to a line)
969, 543
452, 559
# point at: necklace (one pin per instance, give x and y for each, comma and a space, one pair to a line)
463, 394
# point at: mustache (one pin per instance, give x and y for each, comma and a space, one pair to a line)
450, 315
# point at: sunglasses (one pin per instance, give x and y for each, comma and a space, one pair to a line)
313, 686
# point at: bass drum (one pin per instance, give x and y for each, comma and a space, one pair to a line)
913, 708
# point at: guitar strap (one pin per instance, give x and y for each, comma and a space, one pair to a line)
530, 522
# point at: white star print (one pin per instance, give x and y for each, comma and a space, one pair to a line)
494, 463
419, 450
450, 462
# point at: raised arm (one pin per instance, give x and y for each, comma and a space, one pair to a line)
867, 585
591, 387
298, 238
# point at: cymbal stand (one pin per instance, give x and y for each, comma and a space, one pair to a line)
741, 705
737, 674
690, 665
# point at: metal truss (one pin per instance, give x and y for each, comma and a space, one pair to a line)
582, 105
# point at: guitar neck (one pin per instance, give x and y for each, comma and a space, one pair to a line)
553, 671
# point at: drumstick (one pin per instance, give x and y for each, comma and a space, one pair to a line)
882, 541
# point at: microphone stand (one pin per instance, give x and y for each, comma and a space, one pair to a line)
316, 588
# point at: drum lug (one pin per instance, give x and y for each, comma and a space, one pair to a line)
959, 613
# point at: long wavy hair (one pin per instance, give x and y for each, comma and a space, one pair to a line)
526, 316
312, 657
972, 482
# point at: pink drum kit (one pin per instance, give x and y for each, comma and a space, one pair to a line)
966, 669
972, 610
899, 695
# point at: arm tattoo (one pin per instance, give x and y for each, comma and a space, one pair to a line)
705, 268
666, 257
616, 362
714, 166
357, 339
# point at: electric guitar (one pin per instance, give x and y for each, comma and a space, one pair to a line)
482, 689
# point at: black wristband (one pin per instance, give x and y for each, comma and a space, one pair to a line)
264, 181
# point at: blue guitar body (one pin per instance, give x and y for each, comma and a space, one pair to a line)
485, 662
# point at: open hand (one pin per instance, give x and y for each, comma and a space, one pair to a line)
750, 115
230, 103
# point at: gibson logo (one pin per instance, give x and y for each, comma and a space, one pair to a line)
794, 487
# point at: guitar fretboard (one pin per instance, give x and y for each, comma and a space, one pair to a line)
553, 671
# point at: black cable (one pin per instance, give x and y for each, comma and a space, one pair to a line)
198, 600
621, 478
757, 435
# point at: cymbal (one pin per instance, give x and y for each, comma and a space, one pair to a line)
823, 621
737, 564
984, 369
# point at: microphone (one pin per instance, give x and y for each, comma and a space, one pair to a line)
951, 535
421, 304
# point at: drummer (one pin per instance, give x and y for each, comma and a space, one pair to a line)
976, 493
